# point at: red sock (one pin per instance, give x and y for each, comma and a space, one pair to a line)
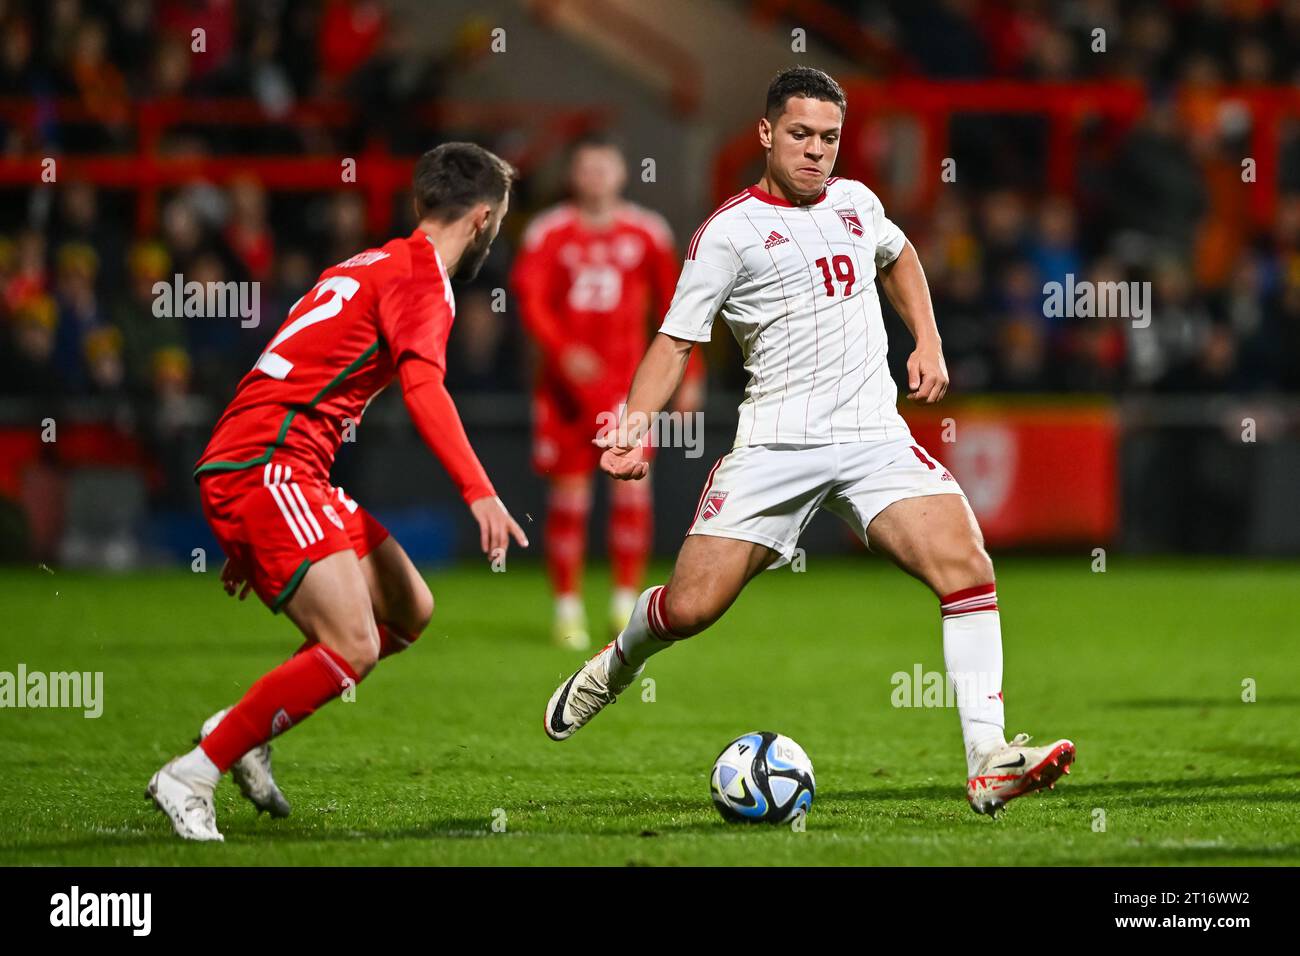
629, 537
566, 542
281, 698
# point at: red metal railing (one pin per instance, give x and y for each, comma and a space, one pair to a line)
380, 175
674, 63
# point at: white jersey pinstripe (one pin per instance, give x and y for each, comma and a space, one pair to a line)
796, 286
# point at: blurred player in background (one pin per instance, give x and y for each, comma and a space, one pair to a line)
592, 275
303, 545
790, 264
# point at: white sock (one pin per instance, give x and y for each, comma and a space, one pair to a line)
972, 654
569, 607
622, 598
197, 768
639, 641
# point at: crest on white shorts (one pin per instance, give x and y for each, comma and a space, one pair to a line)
712, 504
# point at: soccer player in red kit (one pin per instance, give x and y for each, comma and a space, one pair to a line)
593, 273
301, 544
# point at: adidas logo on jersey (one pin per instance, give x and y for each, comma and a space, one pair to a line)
775, 239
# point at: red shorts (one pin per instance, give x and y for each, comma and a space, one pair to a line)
563, 433
276, 519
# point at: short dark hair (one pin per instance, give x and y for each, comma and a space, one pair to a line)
595, 139
454, 177
803, 81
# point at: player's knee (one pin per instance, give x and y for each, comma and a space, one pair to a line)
965, 565
687, 612
359, 646
978, 565
421, 611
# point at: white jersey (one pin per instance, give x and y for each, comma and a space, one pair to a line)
796, 285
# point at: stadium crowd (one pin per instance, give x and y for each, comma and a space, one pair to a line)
1166, 207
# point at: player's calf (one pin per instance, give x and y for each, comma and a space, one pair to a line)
709, 575
410, 621
401, 601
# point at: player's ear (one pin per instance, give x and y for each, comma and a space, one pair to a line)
765, 132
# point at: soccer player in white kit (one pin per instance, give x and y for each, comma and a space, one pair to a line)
790, 265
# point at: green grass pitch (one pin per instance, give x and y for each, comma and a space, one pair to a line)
1143, 666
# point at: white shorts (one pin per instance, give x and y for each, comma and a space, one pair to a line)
768, 493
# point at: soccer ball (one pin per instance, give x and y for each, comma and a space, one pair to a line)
762, 777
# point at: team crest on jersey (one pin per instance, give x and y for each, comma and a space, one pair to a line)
712, 504
851, 221
335, 520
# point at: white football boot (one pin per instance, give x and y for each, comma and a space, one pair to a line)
187, 803
585, 694
570, 628
1015, 770
253, 774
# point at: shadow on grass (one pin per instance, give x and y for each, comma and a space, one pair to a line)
1200, 703
1286, 854
645, 817
1193, 789
240, 835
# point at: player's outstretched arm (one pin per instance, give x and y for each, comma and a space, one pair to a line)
436, 419
657, 377
904, 282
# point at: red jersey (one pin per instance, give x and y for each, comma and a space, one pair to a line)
596, 287
380, 313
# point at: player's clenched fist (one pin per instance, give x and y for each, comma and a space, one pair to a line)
496, 527
927, 375
624, 464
